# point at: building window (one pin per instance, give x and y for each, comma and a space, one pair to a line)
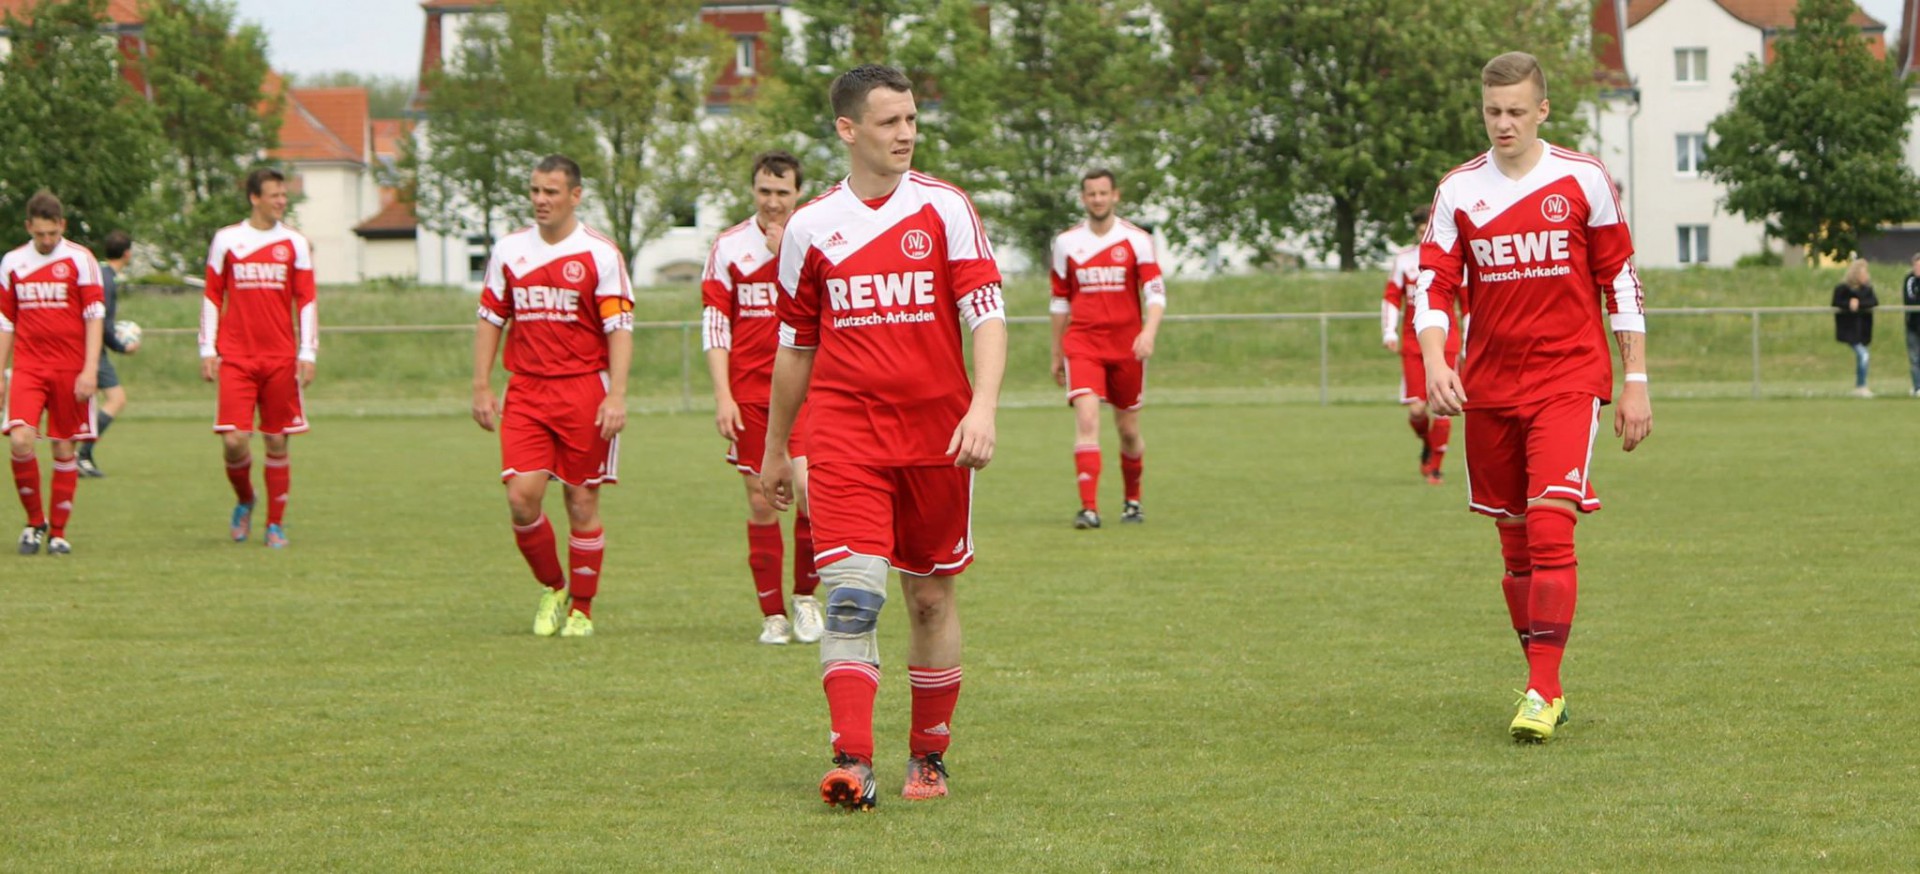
1690, 65
1693, 244
476, 259
1690, 153
743, 55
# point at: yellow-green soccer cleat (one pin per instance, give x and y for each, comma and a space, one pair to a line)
1537, 718
551, 613
578, 625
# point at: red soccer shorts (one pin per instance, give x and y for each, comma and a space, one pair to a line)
1540, 450
271, 386
546, 426
29, 394
920, 519
748, 449
1119, 383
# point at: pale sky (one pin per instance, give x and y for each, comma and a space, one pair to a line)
383, 36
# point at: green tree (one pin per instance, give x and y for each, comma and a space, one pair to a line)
638, 76
73, 124
489, 116
835, 36
1331, 122
209, 79
1812, 143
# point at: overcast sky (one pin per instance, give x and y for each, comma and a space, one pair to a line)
383, 36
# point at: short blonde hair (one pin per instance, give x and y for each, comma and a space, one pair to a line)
1513, 68
1857, 273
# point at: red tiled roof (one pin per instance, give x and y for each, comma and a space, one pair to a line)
323, 124
1609, 49
394, 220
1910, 39
1772, 14
122, 12
388, 135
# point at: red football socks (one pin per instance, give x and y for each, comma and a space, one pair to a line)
1086, 460
26, 484
851, 687
1419, 424
279, 475
66, 479
1437, 435
1551, 599
536, 544
240, 475
935, 691
584, 552
1130, 466
1517, 583
806, 577
763, 556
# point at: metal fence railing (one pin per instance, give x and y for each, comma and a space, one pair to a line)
1332, 357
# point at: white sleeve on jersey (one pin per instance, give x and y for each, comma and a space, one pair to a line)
716, 329
982, 305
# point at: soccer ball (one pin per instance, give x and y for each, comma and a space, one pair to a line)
126, 332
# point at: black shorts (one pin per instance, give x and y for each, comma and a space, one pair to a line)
108, 378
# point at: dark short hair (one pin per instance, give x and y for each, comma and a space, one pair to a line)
778, 162
1422, 213
850, 89
560, 164
1100, 173
116, 244
257, 180
43, 205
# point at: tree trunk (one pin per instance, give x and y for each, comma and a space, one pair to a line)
1343, 233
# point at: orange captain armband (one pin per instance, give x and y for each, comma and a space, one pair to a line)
614, 307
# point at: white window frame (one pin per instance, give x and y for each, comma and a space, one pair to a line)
1693, 244
744, 54
1690, 151
1690, 65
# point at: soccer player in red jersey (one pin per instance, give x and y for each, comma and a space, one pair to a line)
879, 278
259, 339
741, 332
1538, 230
51, 310
563, 286
1396, 333
1108, 298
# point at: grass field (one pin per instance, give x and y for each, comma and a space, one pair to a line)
1300, 663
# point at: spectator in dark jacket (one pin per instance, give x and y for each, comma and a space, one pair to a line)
1910, 296
1853, 303
113, 398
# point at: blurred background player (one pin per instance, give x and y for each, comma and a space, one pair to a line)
50, 324
879, 277
741, 332
259, 339
1108, 298
563, 286
1539, 232
113, 398
1396, 333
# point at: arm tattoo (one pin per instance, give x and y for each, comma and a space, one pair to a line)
1632, 350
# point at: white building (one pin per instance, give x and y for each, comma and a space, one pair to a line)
1680, 56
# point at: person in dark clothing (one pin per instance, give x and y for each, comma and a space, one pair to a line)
113, 398
1910, 296
1853, 303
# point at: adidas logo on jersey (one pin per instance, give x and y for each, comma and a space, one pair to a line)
835, 240
1479, 207
1573, 476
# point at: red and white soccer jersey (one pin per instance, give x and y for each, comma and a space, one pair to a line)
259, 286
1105, 284
1396, 322
563, 300
45, 303
1542, 255
737, 294
881, 289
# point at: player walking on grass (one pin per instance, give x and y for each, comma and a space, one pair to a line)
741, 332
1539, 232
50, 324
113, 398
879, 276
563, 286
259, 339
1108, 298
1396, 333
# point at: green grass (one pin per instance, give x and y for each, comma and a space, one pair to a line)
1300, 663
1691, 356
